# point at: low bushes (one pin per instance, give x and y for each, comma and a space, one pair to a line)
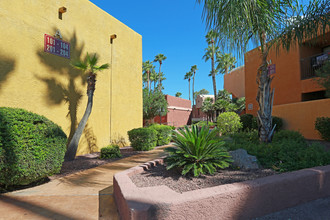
322, 125
205, 123
31, 147
249, 122
142, 139
288, 151
111, 151
163, 133
228, 122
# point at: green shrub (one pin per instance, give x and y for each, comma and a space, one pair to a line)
288, 151
142, 139
198, 151
246, 120
205, 123
163, 133
111, 151
228, 122
31, 147
275, 120
322, 125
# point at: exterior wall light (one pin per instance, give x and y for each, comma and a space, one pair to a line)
112, 37
61, 10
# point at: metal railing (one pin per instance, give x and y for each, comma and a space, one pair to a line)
310, 65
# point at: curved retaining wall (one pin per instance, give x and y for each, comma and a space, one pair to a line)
244, 200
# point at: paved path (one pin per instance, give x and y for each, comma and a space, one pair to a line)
84, 195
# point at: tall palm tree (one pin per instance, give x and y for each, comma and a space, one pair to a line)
266, 22
226, 62
88, 66
193, 69
161, 78
210, 53
159, 58
147, 67
153, 77
188, 77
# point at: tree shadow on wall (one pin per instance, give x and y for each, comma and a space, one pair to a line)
7, 65
62, 87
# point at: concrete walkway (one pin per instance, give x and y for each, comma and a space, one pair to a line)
84, 195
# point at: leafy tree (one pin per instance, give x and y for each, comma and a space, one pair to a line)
188, 77
159, 58
201, 92
154, 103
266, 22
324, 77
88, 66
193, 70
210, 53
147, 68
178, 94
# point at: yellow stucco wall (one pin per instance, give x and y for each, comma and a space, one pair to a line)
46, 84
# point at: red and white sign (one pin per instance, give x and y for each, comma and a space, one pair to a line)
56, 46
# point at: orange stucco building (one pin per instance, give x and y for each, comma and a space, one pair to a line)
298, 98
234, 82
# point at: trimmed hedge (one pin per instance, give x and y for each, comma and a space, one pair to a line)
322, 125
111, 151
31, 147
142, 139
163, 133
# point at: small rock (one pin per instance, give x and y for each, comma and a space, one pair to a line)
243, 160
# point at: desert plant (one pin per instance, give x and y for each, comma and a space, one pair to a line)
322, 125
163, 133
205, 123
111, 151
31, 147
228, 122
142, 139
198, 151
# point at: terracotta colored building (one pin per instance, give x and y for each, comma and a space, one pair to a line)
197, 113
298, 98
179, 112
234, 82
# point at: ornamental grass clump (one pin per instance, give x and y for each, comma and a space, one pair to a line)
197, 151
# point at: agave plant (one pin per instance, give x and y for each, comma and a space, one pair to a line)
197, 151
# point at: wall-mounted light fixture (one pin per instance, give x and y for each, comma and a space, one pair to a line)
112, 37
61, 10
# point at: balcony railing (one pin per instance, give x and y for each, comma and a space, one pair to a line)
310, 65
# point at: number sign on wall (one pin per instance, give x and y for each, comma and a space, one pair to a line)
56, 46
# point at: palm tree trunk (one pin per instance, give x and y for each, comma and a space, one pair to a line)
193, 85
73, 145
148, 80
189, 88
159, 82
265, 96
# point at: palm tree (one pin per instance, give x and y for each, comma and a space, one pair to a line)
188, 77
193, 69
226, 62
159, 58
88, 66
153, 77
178, 94
161, 78
147, 67
282, 22
210, 53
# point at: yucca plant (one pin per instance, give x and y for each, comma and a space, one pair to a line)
197, 151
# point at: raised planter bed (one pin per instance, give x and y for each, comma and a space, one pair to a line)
243, 200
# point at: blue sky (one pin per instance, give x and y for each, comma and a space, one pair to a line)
173, 28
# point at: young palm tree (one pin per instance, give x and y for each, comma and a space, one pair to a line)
188, 77
193, 69
89, 66
210, 53
159, 58
147, 68
266, 22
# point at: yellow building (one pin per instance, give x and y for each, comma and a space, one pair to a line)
46, 84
